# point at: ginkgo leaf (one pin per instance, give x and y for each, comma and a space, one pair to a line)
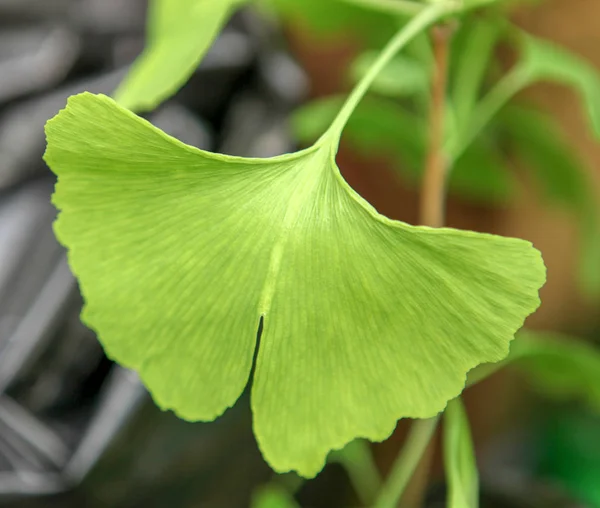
180, 32
459, 458
181, 253
543, 61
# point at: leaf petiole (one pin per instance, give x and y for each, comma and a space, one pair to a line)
416, 25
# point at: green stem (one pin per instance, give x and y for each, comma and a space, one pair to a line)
357, 460
471, 67
462, 478
402, 7
488, 107
416, 25
417, 441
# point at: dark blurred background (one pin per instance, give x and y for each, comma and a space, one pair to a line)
78, 431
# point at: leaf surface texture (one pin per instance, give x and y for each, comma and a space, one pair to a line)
181, 253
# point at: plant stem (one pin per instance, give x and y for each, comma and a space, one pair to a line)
488, 107
357, 460
434, 180
416, 25
402, 7
418, 439
471, 68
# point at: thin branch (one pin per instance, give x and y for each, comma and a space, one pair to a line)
418, 440
434, 180
511, 84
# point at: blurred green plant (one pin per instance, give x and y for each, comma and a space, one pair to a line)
186, 257
559, 366
459, 458
273, 496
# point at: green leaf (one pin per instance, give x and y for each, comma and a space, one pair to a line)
181, 253
558, 365
401, 77
544, 61
273, 496
459, 458
180, 32
562, 178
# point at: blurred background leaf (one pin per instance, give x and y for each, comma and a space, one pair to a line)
559, 366
178, 35
545, 61
273, 496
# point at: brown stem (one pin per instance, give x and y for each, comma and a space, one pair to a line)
434, 180
433, 202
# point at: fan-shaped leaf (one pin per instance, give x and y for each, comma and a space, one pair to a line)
180, 254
